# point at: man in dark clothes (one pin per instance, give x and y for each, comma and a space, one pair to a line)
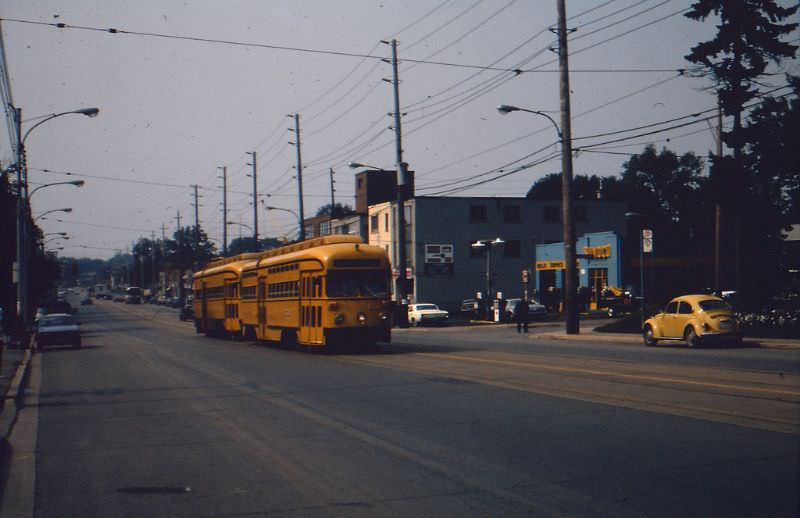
521, 315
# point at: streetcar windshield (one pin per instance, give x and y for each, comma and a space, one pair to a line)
357, 283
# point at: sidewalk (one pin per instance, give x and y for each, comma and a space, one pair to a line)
14, 364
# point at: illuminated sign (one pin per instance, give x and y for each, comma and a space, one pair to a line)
598, 252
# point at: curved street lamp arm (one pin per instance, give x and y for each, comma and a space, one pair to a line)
76, 183
504, 109
89, 112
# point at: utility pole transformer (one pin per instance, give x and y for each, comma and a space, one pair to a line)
570, 270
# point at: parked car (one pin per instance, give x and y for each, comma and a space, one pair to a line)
422, 314
56, 329
468, 306
536, 311
694, 319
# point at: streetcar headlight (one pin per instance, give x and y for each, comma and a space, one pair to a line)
385, 316
362, 318
339, 319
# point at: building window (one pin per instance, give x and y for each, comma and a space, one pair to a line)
552, 214
512, 214
476, 251
373, 224
325, 228
309, 231
579, 212
512, 249
386, 222
478, 214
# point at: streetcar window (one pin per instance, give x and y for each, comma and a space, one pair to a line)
357, 283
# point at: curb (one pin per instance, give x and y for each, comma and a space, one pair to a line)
591, 336
12, 399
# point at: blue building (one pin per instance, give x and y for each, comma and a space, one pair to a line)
599, 264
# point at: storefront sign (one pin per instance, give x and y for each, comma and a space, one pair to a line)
553, 265
598, 252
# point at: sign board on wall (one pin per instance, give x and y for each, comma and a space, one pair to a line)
439, 259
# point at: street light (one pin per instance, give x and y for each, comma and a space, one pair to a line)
76, 183
290, 211
359, 165
487, 244
43, 214
570, 257
400, 230
248, 227
630, 216
23, 206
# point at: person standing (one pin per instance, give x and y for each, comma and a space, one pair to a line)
521, 315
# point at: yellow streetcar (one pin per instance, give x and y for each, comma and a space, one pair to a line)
323, 291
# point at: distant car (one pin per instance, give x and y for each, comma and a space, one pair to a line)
694, 319
423, 314
57, 329
119, 298
536, 311
468, 306
86, 302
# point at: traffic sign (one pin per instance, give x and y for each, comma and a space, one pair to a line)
647, 241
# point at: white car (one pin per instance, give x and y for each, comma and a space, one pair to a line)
421, 314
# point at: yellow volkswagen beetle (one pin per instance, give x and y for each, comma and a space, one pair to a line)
693, 318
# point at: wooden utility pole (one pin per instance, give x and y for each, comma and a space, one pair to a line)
224, 210
302, 218
255, 200
196, 226
718, 214
333, 190
570, 270
401, 293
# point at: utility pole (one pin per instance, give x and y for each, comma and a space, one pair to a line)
570, 271
718, 214
224, 210
179, 251
402, 182
163, 255
153, 269
196, 227
22, 302
333, 190
302, 218
255, 201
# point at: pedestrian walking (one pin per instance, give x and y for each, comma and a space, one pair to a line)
521, 315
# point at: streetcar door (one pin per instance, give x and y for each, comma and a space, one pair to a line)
231, 302
310, 308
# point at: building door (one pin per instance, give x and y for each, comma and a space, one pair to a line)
598, 279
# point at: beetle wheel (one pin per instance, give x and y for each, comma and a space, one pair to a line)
649, 337
692, 340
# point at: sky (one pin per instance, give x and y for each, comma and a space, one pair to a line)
192, 86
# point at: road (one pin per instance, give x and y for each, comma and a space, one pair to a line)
149, 419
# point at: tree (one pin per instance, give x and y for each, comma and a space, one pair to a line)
772, 161
747, 40
337, 211
583, 187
